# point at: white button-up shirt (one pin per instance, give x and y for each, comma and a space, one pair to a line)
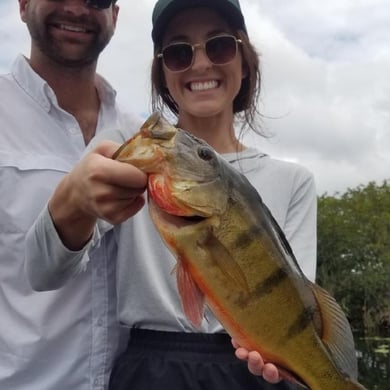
64, 339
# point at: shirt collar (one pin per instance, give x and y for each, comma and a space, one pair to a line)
36, 87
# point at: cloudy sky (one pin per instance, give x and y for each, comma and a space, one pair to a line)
326, 83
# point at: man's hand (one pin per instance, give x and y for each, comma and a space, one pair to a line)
97, 187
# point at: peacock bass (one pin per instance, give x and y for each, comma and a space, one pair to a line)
232, 255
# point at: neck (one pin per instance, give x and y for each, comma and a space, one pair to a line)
75, 90
217, 131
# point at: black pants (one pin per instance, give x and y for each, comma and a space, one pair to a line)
183, 361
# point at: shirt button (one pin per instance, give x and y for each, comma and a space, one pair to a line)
73, 130
98, 383
100, 322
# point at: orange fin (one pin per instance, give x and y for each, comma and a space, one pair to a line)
336, 333
222, 257
192, 299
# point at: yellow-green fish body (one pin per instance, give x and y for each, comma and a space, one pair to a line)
233, 256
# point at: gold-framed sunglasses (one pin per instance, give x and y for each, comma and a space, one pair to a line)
220, 50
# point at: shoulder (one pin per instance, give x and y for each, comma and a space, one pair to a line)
8, 81
5, 79
280, 183
258, 166
289, 170
9, 94
291, 179
129, 124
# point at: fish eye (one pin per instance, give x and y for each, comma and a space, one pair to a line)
205, 153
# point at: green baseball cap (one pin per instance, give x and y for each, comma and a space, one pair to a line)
165, 10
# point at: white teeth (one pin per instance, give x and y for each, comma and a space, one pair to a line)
72, 28
203, 86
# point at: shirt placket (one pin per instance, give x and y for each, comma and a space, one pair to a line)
99, 322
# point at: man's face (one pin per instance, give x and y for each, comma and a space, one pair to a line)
68, 31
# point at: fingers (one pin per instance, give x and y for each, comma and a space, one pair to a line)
118, 211
100, 187
241, 353
271, 373
256, 364
97, 187
235, 344
114, 190
123, 176
106, 148
103, 168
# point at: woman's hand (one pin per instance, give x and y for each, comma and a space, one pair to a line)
256, 364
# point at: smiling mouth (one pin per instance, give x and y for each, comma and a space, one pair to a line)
200, 86
72, 28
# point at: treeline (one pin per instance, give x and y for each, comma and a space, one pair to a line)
354, 254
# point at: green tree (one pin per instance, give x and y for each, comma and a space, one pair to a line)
354, 253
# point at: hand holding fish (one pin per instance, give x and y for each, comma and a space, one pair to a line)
98, 187
256, 364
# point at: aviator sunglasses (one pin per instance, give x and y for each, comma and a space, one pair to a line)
179, 56
98, 4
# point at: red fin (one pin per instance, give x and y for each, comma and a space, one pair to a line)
192, 299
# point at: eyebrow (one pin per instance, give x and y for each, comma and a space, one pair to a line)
185, 38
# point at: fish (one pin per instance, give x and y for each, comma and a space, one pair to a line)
233, 257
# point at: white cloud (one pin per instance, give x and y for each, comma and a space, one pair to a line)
325, 84
326, 90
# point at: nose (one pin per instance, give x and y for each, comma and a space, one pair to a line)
76, 7
201, 61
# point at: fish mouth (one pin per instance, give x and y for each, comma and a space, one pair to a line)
174, 221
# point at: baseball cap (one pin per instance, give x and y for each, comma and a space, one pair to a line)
164, 10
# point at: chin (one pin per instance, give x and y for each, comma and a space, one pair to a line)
205, 110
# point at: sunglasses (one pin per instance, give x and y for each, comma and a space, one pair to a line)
98, 4
179, 56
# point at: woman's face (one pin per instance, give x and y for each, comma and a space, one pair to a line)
204, 89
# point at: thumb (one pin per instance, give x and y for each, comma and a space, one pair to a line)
106, 148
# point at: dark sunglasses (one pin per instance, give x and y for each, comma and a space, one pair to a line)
179, 56
98, 4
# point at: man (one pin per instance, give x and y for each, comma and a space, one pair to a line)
51, 105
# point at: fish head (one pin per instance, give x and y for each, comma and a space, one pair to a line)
185, 177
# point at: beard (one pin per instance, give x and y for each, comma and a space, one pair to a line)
70, 52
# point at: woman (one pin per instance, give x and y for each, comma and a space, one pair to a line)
206, 72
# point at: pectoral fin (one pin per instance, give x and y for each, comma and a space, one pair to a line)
222, 257
192, 299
